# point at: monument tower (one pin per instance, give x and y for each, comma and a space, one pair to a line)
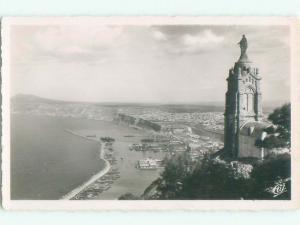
243, 102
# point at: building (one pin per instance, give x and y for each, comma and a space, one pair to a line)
243, 109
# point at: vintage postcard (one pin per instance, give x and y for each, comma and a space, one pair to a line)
150, 113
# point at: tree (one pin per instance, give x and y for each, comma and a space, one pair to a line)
208, 179
279, 135
176, 169
282, 117
266, 175
217, 179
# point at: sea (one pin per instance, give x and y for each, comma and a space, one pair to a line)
47, 162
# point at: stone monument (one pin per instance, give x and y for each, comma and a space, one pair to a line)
243, 109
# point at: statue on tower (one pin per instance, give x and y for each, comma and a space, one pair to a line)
243, 44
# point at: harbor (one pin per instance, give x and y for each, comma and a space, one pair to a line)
113, 180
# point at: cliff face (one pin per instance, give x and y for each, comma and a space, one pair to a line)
130, 120
126, 119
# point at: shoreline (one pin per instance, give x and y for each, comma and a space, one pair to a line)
95, 177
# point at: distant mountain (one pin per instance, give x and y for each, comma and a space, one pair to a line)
167, 107
23, 98
34, 98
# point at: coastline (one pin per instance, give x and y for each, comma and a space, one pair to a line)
95, 177
99, 186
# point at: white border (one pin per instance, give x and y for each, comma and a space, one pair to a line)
293, 23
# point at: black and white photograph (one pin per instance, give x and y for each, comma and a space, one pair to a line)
146, 111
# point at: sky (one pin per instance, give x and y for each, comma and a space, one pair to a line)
144, 64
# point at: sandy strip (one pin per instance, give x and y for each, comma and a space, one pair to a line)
94, 178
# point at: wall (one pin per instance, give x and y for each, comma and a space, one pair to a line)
247, 147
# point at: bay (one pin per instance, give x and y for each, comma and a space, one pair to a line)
46, 161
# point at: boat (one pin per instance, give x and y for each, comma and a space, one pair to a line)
91, 136
105, 189
147, 164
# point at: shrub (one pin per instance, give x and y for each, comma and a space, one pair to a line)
267, 174
129, 196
